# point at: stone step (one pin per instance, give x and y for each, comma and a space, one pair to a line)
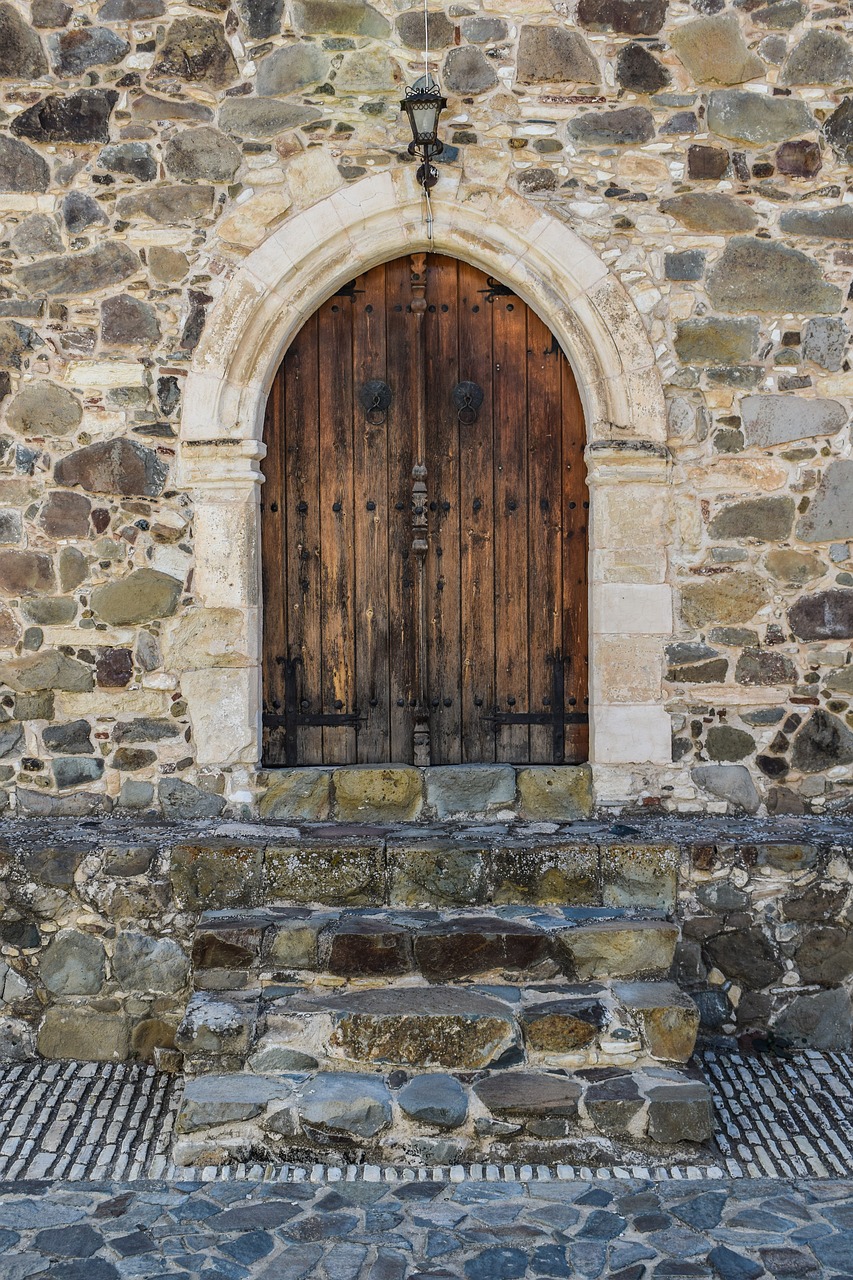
529, 1115
417, 867
418, 1026
234, 949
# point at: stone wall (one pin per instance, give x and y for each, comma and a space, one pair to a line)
702, 151
96, 926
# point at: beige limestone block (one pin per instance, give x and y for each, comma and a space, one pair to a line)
105, 373
555, 792
367, 794
208, 638
224, 710
312, 176
736, 695
250, 222
630, 734
688, 515
631, 609
639, 167
627, 668
737, 474
486, 165
226, 572
112, 704
117, 636
629, 515
70, 1032
645, 564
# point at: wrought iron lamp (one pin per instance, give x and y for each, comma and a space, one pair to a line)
423, 104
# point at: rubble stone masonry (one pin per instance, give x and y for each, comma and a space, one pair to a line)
701, 151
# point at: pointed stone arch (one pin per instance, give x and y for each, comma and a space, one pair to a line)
266, 301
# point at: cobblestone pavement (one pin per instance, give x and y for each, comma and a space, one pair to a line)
775, 1117
622, 1229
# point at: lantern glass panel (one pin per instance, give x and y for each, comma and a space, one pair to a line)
424, 118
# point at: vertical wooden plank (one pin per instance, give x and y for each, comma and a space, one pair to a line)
300, 493
509, 349
575, 557
544, 452
273, 573
370, 524
401, 336
443, 583
336, 522
477, 562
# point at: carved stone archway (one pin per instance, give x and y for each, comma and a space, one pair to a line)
264, 304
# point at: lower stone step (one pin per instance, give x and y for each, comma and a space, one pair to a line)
233, 949
452, 1027
583, 1117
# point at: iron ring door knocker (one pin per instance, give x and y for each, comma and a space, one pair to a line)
467, 398
375, 397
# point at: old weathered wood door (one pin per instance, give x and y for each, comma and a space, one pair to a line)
424, 521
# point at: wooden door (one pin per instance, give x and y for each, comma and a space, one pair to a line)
424, 530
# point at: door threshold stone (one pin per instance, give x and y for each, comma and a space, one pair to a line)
400, 793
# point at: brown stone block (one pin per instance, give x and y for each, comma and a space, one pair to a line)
437, 873
639, 875
421, 1027
567, 874
782, 856
25, 572
215, 873
362, 947
668, 1019
704, 162
231, 943
454, 949
351, 873
562, 1026
151, 1034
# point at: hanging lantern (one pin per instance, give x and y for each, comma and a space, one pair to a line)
423, 104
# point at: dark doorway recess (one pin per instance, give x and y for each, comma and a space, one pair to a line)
424, 522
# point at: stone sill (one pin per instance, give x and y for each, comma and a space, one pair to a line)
403, 793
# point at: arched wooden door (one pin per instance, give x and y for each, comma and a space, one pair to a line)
424, 523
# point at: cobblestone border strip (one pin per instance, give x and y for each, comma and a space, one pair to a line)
455, 1173
783, 1117
78, 1121
83, 1120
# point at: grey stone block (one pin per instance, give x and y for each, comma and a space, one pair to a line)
435, 1099
345, 1105
215, 1100
143, 963
469, 789
73, 964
